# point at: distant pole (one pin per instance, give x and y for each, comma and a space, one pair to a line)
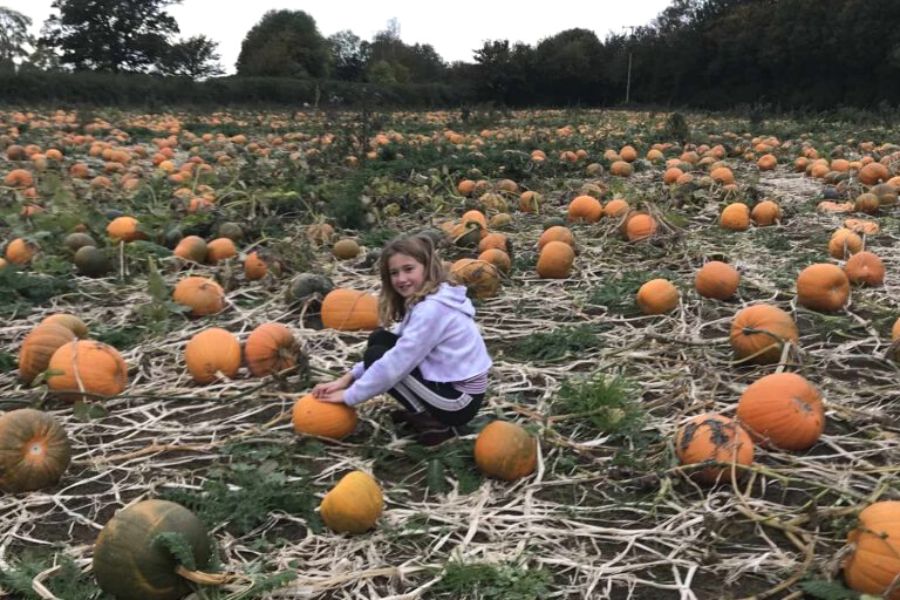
630, 29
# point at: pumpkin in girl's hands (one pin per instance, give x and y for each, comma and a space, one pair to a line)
783, 410
210, 352
333, 420
761, 331
353, 505
271, 348
875, 562
81, 369
713, 438
130, 565
34, 450
506, 451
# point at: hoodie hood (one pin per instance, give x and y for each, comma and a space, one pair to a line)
453, 296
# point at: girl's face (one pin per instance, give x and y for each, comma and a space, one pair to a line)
407, 274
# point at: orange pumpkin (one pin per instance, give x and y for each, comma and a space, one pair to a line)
20, 251
481, 278
620, 168
493, 240
867, 203
616, 207
761, 331
735, 216
639, 226
844, 242
124, 229
556, 233
657, 296
713, 438
628, 153
783, 410
498, 258
191, 248
823, 287
255, 267
34, 450
671, 175
271, 348
767, 162
465, 187
220, 249
555, 260
530, 202
323, 419
585, 209
765, 213
865, 268
38, 346
874, 563
873, 173
476, 216
348, 310
82, 369
862, 226
210, 352
722, 175
18, 178
203, 296
717, 280
505, 451
68, 321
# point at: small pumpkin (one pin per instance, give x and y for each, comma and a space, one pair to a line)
92, 262
586, 209
130, 564
867, 203
202, 295
20, 251
38, 346
865, 268
616, 207
783, 410
345, 249
87, 366
722, 175
34, 450
717, 280
873, 173
766, 213
620, 168
494, 240
657, 296
481, 278
735, 216
210, 352
324, 419
506, 451
556, 233
843, 243
193, 248
319, 233
761, 331
306, 286
639, 226
823, 287
255, 267
271, 348
77, 240
498, 258
353, 505
530, 202
124, 229
555, 261
220, 249
874, 564
349, 310
712, 438
68, 321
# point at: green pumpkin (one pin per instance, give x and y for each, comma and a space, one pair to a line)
92, 262
130, 566
305, 285
232, 231
78, 240
553, 222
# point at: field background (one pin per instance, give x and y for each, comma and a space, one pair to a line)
609, 513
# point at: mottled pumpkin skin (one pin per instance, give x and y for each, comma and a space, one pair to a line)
349, 310
481, 278
69, 322
203, 296
713, 438
38, 346
271, 348
34, 450
353, 505
87, 365
762, 329
130, 566
324, 419
505, 451
783, 410
875, 561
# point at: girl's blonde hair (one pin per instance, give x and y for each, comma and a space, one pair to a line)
391, 305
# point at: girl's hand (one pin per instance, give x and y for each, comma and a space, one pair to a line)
324, 389
336, 397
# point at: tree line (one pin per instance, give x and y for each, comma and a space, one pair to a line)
701, 53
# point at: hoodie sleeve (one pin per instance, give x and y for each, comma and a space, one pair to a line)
421, 334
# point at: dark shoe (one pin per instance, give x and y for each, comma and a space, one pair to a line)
433, 437
422, 421
400, 416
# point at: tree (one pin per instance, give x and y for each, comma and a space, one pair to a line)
418, 63
349, 55
195, 57
110, 35
285, 43
14, 36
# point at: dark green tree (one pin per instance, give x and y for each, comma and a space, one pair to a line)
110, 35
349, 55
285, 43
14, 37
195, 57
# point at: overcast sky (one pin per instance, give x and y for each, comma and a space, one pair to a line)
455, 29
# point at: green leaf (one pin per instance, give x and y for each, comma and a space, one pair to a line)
827, 590
176, 544
89, 411
435, 479
156, 286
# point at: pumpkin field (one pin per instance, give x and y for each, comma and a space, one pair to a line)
694, 322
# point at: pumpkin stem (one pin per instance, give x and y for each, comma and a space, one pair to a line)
202, 578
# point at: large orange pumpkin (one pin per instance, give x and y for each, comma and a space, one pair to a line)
761, 331
556, 233
765, 213
82, 369
873, 173
348, 310
555, 261
713, 438
271, 348
657, 296
38, 346
324, 419
639, 226
505, 451
844, 242
585, 209
865, 268
717, 279
782, 410
735, 216
875, 562
353, 505
823, 287
203, 296
210, 352
34, 450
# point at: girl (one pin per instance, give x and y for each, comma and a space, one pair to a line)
435, 362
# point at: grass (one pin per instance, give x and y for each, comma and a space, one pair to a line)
68, 582
608, 404
555, 345
484, 581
